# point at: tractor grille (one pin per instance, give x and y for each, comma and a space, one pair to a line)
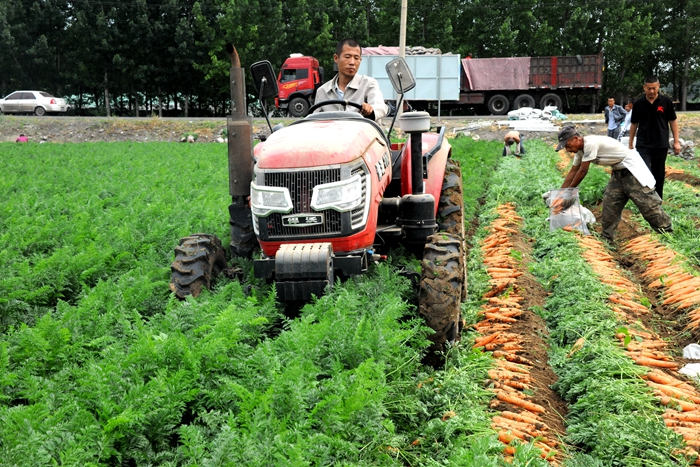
300, 185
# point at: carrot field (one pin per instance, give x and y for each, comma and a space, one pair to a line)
569, 356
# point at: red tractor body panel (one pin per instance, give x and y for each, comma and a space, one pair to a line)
436, 167
318, 143
328, 145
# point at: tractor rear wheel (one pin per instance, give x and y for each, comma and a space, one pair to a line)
442, 286
451, 207
199, 258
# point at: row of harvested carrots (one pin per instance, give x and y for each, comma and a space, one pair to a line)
678, 288
511, 377
646, 347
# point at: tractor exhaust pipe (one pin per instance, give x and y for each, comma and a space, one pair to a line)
240, 135
240, 161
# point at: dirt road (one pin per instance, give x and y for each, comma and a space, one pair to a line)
60, 129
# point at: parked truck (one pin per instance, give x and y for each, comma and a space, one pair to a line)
450, 84
298, 80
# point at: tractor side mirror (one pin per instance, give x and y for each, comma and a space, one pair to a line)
264, 79
400, 75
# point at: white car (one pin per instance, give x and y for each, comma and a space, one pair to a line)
36, 102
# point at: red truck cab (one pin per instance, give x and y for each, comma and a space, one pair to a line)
298, 80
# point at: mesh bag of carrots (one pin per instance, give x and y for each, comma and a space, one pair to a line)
566, 212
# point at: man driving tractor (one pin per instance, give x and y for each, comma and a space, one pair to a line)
348, 85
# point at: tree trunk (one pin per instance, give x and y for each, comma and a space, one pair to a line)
107, 109
187, 105
160, 103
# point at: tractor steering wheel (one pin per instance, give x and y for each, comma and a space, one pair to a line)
335, 101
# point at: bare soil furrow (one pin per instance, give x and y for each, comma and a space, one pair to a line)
529, 410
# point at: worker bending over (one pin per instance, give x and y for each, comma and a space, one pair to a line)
630, 179
513, 138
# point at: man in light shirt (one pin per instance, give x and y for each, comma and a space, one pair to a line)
350, 86
630, 179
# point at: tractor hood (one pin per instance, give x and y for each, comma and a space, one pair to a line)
316, 142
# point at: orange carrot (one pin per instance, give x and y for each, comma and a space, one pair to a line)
500, 318
678, 423
504, 375
498, 286
485, 340
512, 357
674, 392
682, 416
685, 406
527, 405
528, 428
689, 434
648, 354
510, 347
512, 366
644, 361
509, 385
661, 378
521, 417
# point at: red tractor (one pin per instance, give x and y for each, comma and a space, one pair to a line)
324, 197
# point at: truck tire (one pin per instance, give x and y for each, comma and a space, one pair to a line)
298, 107
498, 105
442, 282
199, 258
551, 99
524, 100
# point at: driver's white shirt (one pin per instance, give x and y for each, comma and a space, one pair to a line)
360, 89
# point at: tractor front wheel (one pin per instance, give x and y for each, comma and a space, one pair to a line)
199, 258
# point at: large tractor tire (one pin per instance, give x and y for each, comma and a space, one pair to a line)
243, 240
442, 286
451, 204
199, 258
451, 208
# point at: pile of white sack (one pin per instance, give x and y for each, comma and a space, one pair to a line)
550, 113
687, 149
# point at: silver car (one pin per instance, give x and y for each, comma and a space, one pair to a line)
36, 102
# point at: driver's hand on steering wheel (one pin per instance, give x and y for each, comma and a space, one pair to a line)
366, 109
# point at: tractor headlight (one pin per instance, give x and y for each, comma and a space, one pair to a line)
267, 199
342, 196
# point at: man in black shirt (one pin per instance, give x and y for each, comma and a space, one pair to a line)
652, 115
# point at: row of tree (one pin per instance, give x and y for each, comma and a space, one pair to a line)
126, 55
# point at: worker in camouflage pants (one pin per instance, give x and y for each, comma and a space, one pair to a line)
630, 179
